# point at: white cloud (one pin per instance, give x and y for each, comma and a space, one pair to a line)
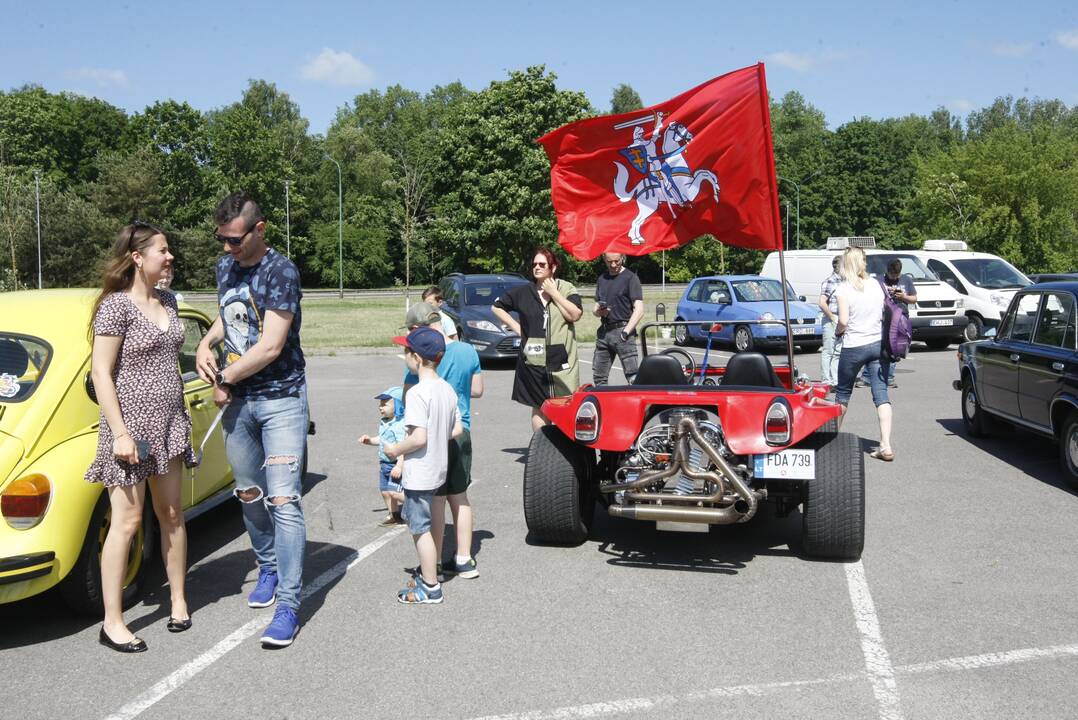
807, 61
1068, 39
1011, 49
337, 68
102, 77
960, 106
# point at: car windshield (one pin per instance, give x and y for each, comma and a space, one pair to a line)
760, 290
23, 362
485, 293
991, 273
877, 265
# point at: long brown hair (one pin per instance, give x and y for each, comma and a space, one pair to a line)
118, 272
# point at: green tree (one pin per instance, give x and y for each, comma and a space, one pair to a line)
624, 99
128, 185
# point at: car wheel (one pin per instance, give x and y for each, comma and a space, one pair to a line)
1068, 449
743, 338
975, 328
938, 343
681, 334
81, 589
833, 511
972, 413
559, 498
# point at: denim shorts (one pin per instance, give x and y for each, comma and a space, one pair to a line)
850, 363
385, 482
417, 510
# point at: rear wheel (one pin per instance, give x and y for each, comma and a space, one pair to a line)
743, 338
559, 501
833, 514
938, 343
972, 413
1068, 449
81, 589
681, 334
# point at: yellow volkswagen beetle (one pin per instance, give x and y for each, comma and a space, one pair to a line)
53, 521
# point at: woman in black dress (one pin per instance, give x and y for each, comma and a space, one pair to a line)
145, 431
548, 310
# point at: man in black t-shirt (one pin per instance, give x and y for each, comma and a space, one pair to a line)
619, 305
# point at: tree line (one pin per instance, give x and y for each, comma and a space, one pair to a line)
452, 180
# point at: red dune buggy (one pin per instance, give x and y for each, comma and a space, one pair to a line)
683, 446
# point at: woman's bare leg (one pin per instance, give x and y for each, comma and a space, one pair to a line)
126, 502
168, 506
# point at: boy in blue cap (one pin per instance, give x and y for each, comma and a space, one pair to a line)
390, 430
431, 417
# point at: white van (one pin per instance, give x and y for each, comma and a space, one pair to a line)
988, 282
938, 317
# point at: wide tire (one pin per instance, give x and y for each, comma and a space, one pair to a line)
81, 589
1068, 449
833, 514
743, 341
559, 502
973, 416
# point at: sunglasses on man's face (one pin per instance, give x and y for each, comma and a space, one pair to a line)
238, 240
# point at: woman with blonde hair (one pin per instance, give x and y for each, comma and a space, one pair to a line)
860, 330
145, 430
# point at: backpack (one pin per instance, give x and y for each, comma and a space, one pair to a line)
897, 330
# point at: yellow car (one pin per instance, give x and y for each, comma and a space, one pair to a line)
53, 521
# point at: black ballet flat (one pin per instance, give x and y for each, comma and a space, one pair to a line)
175, 625
135, 646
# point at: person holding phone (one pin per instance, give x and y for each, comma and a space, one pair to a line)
145, 430
619, 305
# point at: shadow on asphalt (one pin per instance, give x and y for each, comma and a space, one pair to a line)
520, 452
1032, 454
311, 481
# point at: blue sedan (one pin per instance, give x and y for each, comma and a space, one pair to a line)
749, 307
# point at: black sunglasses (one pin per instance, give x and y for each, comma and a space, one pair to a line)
138, 225
236, 241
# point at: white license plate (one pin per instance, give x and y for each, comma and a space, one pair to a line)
941, 323
804, 331
787, 464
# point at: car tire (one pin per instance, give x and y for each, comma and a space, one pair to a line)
681, 334
743, 338
833, 510
973, 416
81, 589
938, 343
974, 329
1068, 449
559, 500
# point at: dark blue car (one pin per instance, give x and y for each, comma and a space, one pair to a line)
468, 299
750, 309
1027, 373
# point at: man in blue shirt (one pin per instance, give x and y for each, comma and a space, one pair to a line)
263, 388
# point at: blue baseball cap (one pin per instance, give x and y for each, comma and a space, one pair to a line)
424, 341
393, 393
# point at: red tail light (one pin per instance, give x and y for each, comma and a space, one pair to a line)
586, 426
777, 424
24, 502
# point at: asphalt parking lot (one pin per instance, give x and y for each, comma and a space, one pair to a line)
963, 604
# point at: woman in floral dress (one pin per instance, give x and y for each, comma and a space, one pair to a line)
145, 430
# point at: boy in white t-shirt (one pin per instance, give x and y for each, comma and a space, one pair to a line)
431, 417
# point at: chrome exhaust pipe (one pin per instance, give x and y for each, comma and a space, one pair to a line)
662, 513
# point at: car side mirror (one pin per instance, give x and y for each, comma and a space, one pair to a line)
951, 282
801, 298
989, 333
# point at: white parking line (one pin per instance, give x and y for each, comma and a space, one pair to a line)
178, 678
881, 673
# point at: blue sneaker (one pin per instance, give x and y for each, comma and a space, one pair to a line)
420, 593
466, 570
282, 629
265, 592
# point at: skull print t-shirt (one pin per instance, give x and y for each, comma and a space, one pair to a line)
244, 294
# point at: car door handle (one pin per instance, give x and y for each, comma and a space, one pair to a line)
1057, 366
1015, 357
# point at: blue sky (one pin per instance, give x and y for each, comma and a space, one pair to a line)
850, 59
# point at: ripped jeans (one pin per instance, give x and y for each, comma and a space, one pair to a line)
264, 440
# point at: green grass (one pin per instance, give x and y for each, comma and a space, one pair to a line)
332, 324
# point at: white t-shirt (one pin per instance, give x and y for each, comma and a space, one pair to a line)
431, 404
866, 313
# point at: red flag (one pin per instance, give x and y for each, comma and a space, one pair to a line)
655, 179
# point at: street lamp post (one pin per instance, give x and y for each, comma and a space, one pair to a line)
287, 224
797, 189
340, 229
37, 207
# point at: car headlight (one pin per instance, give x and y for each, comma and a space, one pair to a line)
767, 317
486, 325
997, 299
960, 303
25, 501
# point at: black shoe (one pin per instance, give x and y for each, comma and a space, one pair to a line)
175, 625
135, 646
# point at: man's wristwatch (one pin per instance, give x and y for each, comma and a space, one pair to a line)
219, 379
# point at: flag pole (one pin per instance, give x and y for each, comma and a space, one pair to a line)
776, 222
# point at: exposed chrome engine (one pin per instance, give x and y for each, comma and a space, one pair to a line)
680, 469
